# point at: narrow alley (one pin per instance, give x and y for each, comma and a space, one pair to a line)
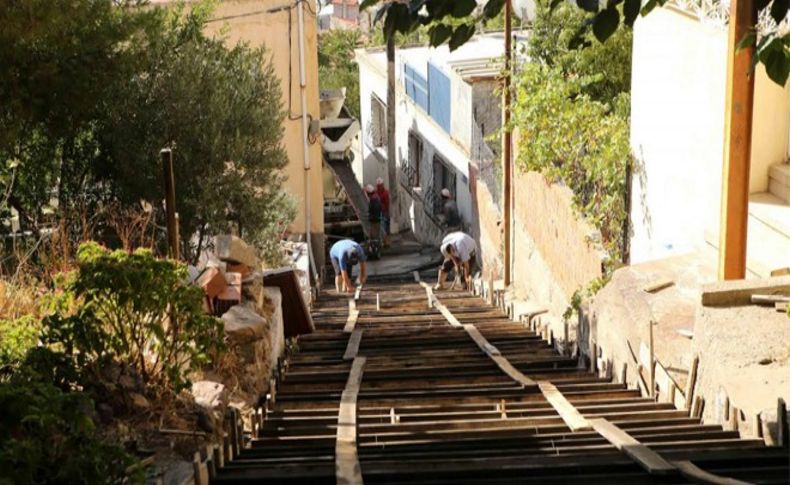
401, 385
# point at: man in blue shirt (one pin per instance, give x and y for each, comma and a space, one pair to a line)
344, 255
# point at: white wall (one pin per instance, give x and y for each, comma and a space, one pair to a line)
372, 80
677, 132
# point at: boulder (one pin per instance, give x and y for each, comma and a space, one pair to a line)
209, 394
242, 324
234, 249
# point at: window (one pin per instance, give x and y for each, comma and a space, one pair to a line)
443, 178
378, 122
415, 159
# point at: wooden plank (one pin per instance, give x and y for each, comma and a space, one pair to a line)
697, 474
648, 459
446, 313
658, 285
512, 372
481, 341
353, 345
347, 468
351, 323
770, 299
691, 383
567, 411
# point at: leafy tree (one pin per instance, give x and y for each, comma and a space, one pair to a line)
336, 65
605, 67
220, 110
603, 20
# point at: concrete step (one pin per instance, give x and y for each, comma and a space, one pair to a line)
779, 181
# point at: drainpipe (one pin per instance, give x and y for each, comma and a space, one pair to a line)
305, 128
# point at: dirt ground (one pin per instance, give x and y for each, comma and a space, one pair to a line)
744, 351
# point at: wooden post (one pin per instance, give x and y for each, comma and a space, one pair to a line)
170, 201
739, 106
507, 145
392, 106
652, 362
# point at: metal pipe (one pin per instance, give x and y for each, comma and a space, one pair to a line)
305, 129
506, 146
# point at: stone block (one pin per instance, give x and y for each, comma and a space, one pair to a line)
209, 394
242, 324
212, 282
233, 249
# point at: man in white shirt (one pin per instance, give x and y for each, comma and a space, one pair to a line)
459, 251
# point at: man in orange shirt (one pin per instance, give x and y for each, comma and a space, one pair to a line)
384, 196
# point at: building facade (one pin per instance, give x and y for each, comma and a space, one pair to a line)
275, 25
447, 106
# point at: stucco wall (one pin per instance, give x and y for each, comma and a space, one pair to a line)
551, 254
677, 132
248, 21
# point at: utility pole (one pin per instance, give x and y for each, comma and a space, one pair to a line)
392, 174
170, 202
507, 144
737, 143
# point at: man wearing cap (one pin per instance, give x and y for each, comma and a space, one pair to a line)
344, 255
450, 210
459, 250
384, 196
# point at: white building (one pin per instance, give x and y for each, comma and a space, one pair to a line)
447, 105
677, 137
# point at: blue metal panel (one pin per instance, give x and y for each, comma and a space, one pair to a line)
439, 97
416, 86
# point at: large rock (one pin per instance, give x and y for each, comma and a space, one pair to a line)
209, 394
234, 249
242, 324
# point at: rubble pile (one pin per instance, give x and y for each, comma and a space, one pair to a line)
232, 281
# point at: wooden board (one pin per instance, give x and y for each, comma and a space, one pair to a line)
347, 468
351, 323
353, 345
572, 417
648, 459
297, 319
658, 285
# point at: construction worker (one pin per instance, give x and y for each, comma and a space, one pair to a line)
384, 195
459, 250
375, 211
344, 255
450, 211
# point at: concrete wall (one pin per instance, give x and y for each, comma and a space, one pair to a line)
236, 24
677, 132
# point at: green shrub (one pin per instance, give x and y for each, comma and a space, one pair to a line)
49, 436
16, 337
575, 140
137, 310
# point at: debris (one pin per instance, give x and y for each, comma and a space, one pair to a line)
770, 299
233, 249
658, 285
209, 394
243, 324
139, 401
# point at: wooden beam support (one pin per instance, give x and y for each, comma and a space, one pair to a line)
347, 468
739, 108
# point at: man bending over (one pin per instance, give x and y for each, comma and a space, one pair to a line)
458, 250
344, 255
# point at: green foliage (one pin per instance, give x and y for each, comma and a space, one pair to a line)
136, 310
773, 51
117, 84
604, 67
452, 21
575, 140
49, 436
336, 65
17, 336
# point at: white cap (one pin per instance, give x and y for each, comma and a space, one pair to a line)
445, 192
369, 189
379, 181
